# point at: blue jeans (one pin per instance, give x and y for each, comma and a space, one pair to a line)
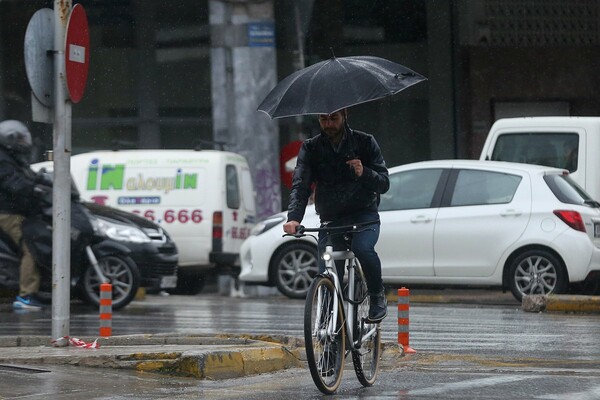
363, 246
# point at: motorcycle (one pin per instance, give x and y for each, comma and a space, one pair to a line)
95, 259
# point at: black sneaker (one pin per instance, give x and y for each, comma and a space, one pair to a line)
378, 308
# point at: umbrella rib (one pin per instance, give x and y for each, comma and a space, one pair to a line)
382, 74
310, 82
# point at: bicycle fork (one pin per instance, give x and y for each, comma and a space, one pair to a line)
332, 329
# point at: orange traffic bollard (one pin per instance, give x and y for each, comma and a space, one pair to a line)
403, 308
105, 310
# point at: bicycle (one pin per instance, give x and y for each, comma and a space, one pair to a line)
328, 324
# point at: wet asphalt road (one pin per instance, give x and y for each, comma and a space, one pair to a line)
464, 351
452, 328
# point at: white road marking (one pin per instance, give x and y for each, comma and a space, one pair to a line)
590, 394
469, 384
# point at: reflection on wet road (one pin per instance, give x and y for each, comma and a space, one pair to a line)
448, 328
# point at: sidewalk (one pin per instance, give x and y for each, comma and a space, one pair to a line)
201, 357
569, 303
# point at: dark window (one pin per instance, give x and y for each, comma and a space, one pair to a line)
385, 21
411, 190
566, 190
552, 149
232, 187
484, 187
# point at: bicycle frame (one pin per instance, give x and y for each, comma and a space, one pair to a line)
330, 256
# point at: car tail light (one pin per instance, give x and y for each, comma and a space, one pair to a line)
571, 218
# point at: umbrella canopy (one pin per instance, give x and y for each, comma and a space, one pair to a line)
337, 83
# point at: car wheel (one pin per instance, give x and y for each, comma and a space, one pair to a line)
537, 272
293, 268
121, 271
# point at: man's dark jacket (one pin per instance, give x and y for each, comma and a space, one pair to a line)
17, 183
338, 191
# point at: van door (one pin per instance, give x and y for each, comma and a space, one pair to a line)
238, 216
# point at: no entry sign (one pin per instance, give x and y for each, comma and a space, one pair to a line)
77, 53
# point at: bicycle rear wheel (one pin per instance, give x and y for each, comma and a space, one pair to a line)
324, 337
366, 357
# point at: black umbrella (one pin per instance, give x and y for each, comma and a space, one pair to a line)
337, 83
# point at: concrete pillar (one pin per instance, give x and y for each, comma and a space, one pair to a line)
440, 74
2, 93
244, 70
146, 96
2, 68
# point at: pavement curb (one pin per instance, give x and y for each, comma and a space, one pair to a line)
200, 357
562, 303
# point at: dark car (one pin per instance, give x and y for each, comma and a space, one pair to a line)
151, 247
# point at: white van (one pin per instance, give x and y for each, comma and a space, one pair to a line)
204, 199
572, 143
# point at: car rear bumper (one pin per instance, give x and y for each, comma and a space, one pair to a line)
594, 267
249, 259
580, 256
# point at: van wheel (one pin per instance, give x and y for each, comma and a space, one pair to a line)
293, 269
188, 285
537, 272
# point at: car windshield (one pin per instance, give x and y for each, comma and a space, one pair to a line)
566, 190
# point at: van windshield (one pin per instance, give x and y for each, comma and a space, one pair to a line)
552, 149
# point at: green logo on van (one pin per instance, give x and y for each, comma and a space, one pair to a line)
108, 176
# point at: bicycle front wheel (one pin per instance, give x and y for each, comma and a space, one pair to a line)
365, 356
324, 335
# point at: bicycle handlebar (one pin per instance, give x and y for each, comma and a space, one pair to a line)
301, 229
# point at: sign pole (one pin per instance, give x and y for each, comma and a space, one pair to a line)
61, 197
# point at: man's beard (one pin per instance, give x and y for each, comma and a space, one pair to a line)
333, 132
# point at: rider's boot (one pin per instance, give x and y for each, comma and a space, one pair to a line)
378, 307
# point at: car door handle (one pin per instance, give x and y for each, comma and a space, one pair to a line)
511, 213
420, 218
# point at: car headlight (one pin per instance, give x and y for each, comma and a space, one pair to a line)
119, 232
266, 224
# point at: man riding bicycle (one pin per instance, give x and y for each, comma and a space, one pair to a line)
349, 174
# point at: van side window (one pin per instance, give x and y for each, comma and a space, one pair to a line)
247, 191
552, 149
483, 187
232, 187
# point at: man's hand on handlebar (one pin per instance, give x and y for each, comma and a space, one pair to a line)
290, 227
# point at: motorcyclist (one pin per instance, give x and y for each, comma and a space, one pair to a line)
18, 199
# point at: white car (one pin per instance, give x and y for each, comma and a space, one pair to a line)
524, 227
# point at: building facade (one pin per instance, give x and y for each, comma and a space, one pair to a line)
158, 76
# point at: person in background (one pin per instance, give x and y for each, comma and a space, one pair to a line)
17, 201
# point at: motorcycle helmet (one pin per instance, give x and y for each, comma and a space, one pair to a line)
15, 137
